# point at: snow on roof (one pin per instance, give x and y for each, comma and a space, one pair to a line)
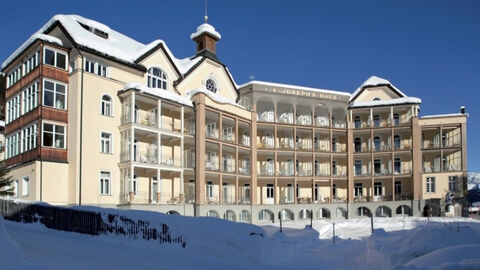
168, 95
396, 101
116, 45
296, 87
215, 97
374, 81
33, 38
444, 115
2, 123
206, 28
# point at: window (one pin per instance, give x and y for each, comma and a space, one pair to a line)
14, 76
106, 143
358, 145
334, 190
29, 137
377, 189
334, 145
53, 136
358, 122
397, 165
25, 186
96, 68
376, 120
157, 78
13, 145
334, 168
30, 98
105, 183
358, 190
377, 166
15, 188
270, 191
396, 119
106, 105
376, 99
377, 143
209, 190
54, 94
55, 58
396, 142
398, 188
452, 183
211, 85
358, 167
13, 108
430, 184
31, 63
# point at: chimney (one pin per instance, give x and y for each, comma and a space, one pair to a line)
462, 109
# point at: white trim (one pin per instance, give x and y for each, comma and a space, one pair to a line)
27, 186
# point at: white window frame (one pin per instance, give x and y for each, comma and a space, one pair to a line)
13, 108
25, 185
217, 86
151, 78
453, 183
31, 63
104, 69
54, 135
430, 185
102, 142
29, 137
103, 103
54, 94
101, 183
56, 52
30, 97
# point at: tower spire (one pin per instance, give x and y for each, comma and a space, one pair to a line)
205, 18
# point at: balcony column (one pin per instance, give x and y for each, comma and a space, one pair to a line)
371, 118
295, 188
313, 190
132, 195
220, 126
275, 118
159, 113
350, 162
253, 157
200, 149
236, 189
182, 191
275, 196
441, 149
132, 111
150, 185
416, 160
159, 186
220, 189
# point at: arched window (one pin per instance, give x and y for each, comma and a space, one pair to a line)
106, 105
376, 99
376, 120
396, 119
358, 122
157, 78
358, 145
211, 85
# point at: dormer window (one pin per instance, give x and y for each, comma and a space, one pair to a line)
211, 85
376, 99
96, 31
157, 78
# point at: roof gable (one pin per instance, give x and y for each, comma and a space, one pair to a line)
382, 86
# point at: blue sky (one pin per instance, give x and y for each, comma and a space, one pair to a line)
428, 49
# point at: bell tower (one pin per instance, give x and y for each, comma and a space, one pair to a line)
206, 37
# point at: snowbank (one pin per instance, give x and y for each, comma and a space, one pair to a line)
10, 255
455, 257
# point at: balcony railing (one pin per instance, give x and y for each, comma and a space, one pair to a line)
212, 200
286, 144
403, 171
403, 196
403, 146
322, 173
382, 198
322, 121
266, 172
213, 134
339, 200
244, 170
361, 124
146, 118
431, 169
147, 157
339, 148
381, 148
266, 143
285, 172
362, 173
211, 166
302, 172
383, 172
363, 199
304, 145
286, 200
324, 147
304, 200
430, 144
451, 145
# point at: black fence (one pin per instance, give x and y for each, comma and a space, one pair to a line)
87, 222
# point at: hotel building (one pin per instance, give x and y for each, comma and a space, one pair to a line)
94, 117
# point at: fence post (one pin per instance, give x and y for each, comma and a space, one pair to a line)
280, 223
334, 233
371, 221
311, 218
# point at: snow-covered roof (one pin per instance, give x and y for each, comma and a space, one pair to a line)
206, 28
2, 123
375, 103
444, 115
168, 95
215, 97
116, 45
296, 87
28, 42
372, 82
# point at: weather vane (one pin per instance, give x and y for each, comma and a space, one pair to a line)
206, 13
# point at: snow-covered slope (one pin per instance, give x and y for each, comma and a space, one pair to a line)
397, 243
